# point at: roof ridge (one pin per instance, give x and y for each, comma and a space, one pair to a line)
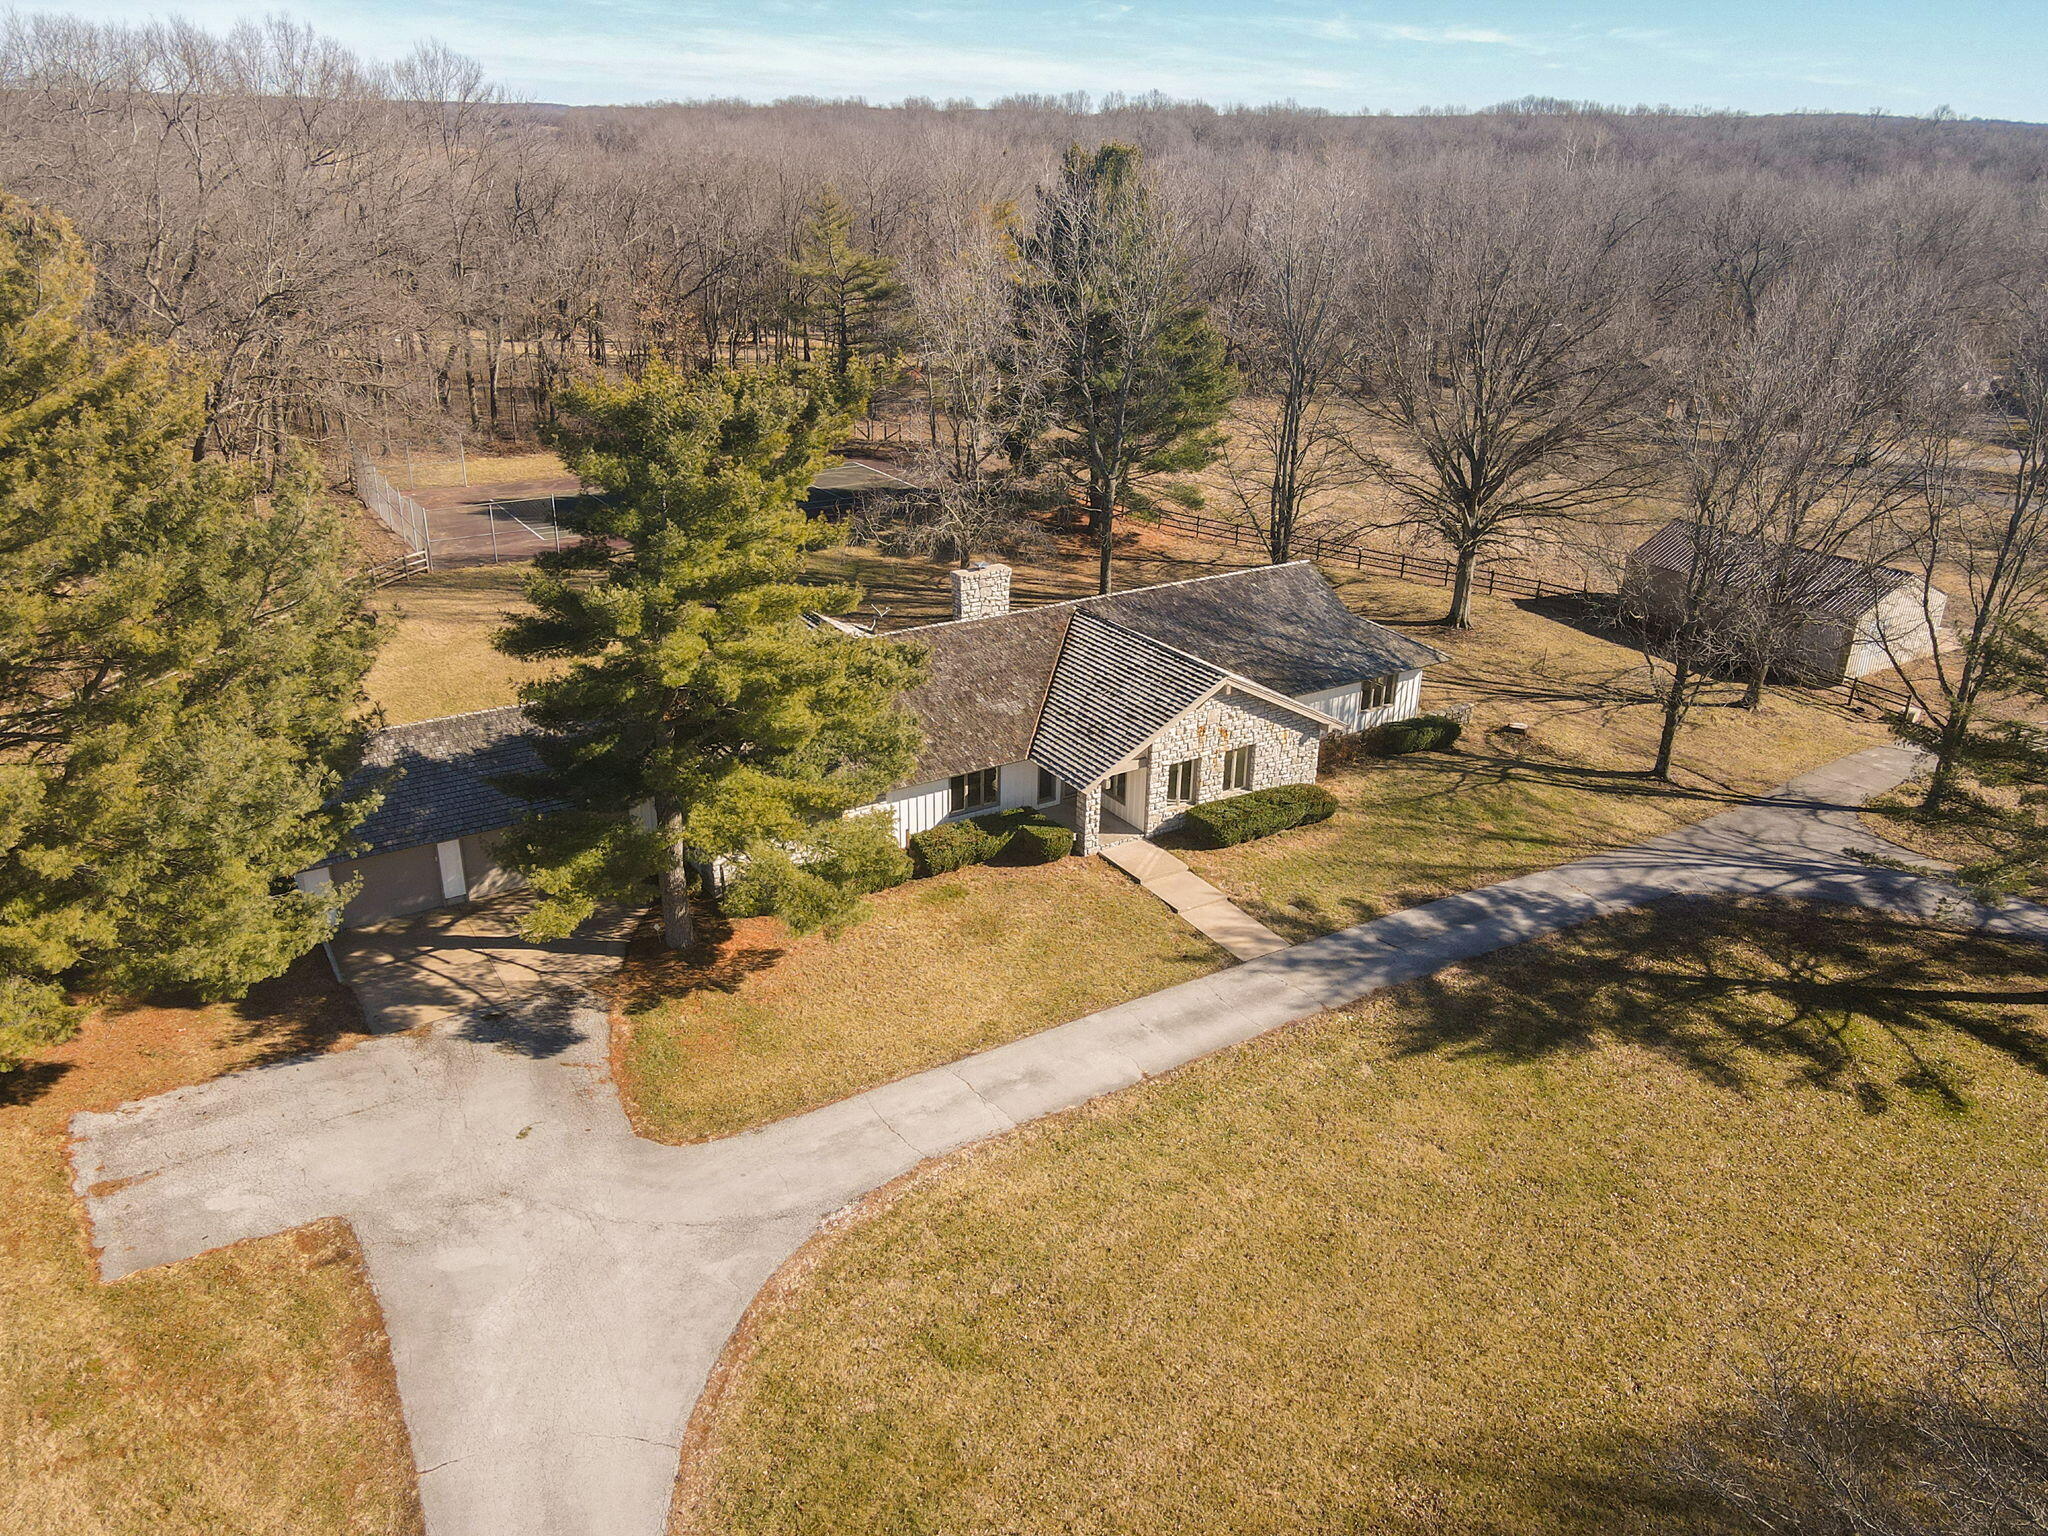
466, 714
1758, 541
1097, 597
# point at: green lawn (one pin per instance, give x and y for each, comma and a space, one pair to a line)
1465, 1258
768, 1025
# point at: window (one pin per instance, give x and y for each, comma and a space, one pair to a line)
972, 791
1237, 768
1377, 692
1048, 786
1184, 781
1117, 786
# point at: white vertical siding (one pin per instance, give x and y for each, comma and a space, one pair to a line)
920, 807
1020, 785
1342, 703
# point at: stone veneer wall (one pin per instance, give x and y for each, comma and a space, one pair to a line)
1288, 747
981, 591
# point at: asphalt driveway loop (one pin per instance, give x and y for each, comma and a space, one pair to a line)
557, 1290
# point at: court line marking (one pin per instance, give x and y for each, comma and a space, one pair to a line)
505, 511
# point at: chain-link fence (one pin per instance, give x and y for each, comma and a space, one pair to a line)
405, 517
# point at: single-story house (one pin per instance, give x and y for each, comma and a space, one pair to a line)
1116, 713
1113, 714
1859, 618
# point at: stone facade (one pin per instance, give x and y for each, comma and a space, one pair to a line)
981, 591
1286, 748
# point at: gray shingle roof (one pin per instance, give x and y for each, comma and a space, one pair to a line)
1112, 690
1832, 586
1281, 626
437, 777
1070, 681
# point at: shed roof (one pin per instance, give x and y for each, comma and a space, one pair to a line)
1831, 586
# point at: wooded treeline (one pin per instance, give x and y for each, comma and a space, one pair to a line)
377, 252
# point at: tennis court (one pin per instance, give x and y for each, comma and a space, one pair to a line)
515, 520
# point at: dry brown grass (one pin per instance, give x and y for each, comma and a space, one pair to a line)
246, 1392
438, 658
939, 968
435, 470
1502, 804
1463, 1259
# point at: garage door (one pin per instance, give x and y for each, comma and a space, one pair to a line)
406, 880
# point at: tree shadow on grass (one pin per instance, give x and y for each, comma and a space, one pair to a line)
25, 1082
301, 1013
1753, 994
725, 955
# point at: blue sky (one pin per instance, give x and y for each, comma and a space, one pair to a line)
1985, 58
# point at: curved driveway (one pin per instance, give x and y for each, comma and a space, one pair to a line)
557, 1290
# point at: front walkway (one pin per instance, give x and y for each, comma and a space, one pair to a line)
557, 1290
1199, 904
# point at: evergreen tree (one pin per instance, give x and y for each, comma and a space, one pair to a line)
695, 688
180, 669
1129, 375
849, 293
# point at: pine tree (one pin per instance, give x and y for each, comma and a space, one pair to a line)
1134, 376
180, 669
850, 293
695, 688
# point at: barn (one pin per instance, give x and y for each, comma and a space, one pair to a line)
1861, 618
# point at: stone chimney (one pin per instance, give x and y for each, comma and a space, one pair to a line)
981, 591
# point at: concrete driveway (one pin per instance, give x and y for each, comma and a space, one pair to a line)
558, 1290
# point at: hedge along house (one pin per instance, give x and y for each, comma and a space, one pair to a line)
1114, 714
1860, 618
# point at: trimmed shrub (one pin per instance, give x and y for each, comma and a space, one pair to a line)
1421, 733
1039, 840
953, 845
1022, 836
1240, 818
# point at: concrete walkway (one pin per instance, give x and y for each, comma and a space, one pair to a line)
1204, 908
557, 1290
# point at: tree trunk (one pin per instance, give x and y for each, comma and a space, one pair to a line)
1759, 673
1102, 519
1460, 616
1674, 711
678, 925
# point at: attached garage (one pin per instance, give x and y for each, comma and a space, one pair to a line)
392, 884
433, 839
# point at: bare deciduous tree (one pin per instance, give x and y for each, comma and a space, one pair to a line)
1494, 346
1303, 234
